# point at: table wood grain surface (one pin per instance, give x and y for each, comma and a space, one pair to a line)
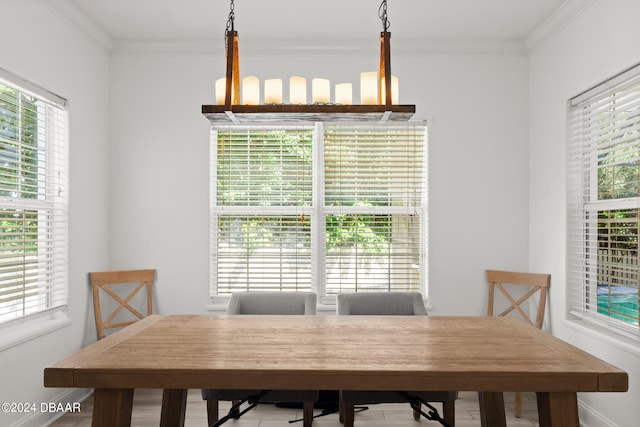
485, 354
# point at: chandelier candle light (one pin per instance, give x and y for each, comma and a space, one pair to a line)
378, 94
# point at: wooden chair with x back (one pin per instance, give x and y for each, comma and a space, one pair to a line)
106, 282
507, 282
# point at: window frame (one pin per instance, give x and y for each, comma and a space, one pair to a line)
51, 204
318, 208
585, 159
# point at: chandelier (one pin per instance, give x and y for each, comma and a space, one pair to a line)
378, 94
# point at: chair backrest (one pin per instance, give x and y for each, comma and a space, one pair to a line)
382, 303
108, 282
535, 282
276, 302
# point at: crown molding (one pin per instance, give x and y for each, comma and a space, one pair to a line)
126, 48
70, 14
461, 47
556, 22
318, 48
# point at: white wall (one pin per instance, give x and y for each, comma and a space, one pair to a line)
602, 41
139, 160
40, 47
139, 167
159, 175
477, 108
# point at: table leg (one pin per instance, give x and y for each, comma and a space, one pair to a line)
174, 405
558, 409
492, 409
112, 407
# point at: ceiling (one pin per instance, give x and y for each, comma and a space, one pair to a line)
157, 21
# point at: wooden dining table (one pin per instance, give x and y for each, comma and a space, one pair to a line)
489, 355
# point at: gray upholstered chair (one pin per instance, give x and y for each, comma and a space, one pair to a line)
388, 304
265, 303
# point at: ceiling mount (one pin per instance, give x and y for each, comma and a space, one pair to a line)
378, 94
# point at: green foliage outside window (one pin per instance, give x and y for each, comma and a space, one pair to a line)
18, 169
274, 168
18, 144
270, 168
618, 251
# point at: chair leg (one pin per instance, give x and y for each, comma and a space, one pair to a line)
340, 409
449, 411
212, 411
416, 413
517, 408
307, 414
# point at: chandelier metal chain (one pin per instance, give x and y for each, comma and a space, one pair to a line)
230, 20
382, 14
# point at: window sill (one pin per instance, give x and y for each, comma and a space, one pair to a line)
218, 305
602, 334
19, 331
217, 308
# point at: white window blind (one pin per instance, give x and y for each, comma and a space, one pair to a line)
604, 203
33, 200
262, 212
327, 208
373, 205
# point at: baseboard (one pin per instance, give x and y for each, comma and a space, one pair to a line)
47, 412
589, 417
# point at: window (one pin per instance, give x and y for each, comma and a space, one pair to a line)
326, 208
33, 200
604, 202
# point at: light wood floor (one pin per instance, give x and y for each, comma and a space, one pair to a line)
146, 413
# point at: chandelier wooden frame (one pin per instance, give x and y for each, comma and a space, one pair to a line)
234, 112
